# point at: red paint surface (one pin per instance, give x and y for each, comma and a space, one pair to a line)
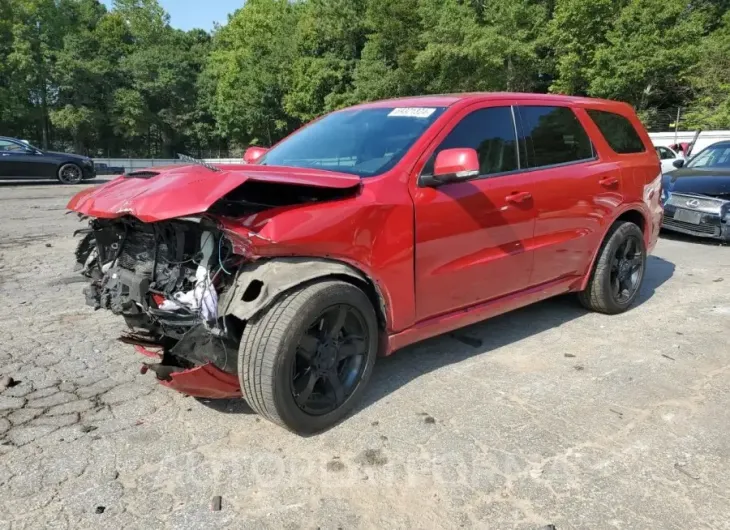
450, 161
205, 381
441, 257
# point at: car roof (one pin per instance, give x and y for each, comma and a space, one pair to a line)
9, 138
447, 100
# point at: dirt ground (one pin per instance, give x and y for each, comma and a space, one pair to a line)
548, 415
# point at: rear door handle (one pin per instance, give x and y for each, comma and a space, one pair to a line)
518, 197
608, 182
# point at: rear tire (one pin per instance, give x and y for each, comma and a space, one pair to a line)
70, 174
619, 271
293, 357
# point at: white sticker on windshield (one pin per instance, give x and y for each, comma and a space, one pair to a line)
411, 112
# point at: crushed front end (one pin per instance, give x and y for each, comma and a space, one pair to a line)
189, 254
165, 279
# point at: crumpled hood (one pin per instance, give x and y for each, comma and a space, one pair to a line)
712, 181
157, 194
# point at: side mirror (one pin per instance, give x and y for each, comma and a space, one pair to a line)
678, 163
454, 165
253, 154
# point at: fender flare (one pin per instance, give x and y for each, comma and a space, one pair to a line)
629, 208
259, 283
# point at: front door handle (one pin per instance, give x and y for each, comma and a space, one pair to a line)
608, 182
518, 197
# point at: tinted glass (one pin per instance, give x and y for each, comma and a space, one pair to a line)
618, 131
363, 142
713, 156
554, 136
492, 133
7, 146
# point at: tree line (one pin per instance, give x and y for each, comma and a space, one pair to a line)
122, 82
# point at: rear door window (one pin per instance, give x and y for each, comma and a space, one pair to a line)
618, 132
553, 135
664, 153
491, 132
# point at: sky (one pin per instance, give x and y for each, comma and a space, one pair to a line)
189, 14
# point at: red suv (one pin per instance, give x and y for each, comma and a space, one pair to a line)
369, 229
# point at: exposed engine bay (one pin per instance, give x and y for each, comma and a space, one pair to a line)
164, 279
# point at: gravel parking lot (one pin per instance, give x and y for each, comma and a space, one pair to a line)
549, 415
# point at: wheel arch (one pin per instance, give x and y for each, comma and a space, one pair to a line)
259, 283
633, 214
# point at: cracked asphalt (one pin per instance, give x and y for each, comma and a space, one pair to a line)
548, 415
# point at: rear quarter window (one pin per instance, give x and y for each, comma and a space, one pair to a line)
553, 135
618, 132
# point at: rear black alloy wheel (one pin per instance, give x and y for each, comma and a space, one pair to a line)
330, 358
626, 270
619, 270
305, 361
70, 174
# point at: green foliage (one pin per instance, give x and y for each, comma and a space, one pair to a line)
74, 75
578, 28
251, 63
710, 79
329, 37
386, 66
648, 52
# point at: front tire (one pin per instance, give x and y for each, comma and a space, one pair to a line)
619, 271
305, 362
70, 174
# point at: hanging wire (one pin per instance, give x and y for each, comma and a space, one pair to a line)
220, 261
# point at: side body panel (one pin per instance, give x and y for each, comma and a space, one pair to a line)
640, 187
471, 242
373, 235
578, 203
26, 165
574, 202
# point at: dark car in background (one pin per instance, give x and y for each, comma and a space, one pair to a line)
106, 169
696, 196
20, 160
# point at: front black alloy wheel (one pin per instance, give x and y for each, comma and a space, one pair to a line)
330, 359
305, 361
616, 279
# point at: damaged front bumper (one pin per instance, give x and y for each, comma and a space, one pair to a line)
204, 381
186, 289
164, 279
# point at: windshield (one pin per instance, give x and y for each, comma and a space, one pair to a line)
713, 156
364, 142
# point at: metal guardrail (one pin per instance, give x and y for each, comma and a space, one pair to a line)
133, 164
